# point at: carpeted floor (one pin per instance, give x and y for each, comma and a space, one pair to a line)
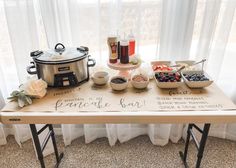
136, 153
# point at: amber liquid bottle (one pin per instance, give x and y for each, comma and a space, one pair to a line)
112, 44
113, 57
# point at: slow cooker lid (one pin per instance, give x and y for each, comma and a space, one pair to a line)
61, 54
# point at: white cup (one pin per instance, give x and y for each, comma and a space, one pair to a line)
100, 77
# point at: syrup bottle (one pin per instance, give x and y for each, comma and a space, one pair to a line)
118, 46
124, 51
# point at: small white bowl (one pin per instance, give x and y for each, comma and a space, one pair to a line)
196, 84
119, 86
100, 78
140, 85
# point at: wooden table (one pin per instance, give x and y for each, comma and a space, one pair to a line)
191, 117
153, 97
228, 116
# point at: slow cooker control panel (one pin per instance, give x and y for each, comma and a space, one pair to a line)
65, 79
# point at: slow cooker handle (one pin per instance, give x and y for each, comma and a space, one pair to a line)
58, 48
30, 67
93, 62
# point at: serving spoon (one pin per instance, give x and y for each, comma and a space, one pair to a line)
178, 65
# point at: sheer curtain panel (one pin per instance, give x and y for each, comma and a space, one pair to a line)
164, 29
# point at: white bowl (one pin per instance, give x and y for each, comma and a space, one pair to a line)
168, 85
119, 86
167, 63
188, 67
196, 84
161, 63
140, 85
188, 62
100, 78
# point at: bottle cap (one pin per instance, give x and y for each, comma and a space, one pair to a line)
131, 35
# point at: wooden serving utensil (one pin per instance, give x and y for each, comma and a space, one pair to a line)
202, 61
180, 69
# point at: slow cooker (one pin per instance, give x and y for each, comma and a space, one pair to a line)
62, 66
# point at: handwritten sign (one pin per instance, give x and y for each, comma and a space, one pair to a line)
88, 97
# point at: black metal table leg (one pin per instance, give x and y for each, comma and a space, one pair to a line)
40, 148
184, 156
37, 144
200, 146
58, 157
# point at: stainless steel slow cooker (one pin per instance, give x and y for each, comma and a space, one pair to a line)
62, 66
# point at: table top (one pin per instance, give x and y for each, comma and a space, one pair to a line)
90, 104
119, 117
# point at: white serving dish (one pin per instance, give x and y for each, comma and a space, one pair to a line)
167, 85
119, 86
161, 63
167, 63
196, 84
100, 77
189, 63
140, 85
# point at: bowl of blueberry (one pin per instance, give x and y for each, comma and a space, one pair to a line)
168, 80
196, 79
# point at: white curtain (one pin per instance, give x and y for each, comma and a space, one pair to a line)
164, 29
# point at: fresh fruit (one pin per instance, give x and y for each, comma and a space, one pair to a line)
161, 68
196, 77
168, 77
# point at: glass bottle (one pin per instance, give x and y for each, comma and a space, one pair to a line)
124, 51
112, 45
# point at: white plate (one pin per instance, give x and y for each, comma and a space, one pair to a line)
168, 85
196, 84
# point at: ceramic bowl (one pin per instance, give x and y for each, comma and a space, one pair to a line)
119, 86
196, 84
156, 63
187, 64
161, 63
100, 77
140, 84
167, 85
